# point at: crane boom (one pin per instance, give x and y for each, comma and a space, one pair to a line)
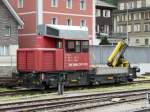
116, 59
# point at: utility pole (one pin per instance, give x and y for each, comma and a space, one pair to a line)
127, 24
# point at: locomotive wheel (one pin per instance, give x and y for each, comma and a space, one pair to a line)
45, 85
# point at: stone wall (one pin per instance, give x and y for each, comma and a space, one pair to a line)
6, 71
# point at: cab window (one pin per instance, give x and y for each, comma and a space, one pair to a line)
85, 46
70, 46
77, 46
58, 44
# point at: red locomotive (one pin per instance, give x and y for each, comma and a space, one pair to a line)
60, 50
57, 50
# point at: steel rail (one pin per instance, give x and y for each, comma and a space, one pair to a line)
63, 102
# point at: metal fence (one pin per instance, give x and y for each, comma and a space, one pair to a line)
9, 60
99, 55
134, 55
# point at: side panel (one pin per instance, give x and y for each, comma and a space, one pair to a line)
45, 42
36, 42
76, 61
21, 60
48, 61
30, 56
59, 60
40, 60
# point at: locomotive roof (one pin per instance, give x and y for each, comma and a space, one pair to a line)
65, 27
64, 31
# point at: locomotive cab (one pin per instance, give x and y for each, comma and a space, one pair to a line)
76, 55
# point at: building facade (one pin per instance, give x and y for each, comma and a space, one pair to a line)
104, 20
58, 12
132, 21
9, 24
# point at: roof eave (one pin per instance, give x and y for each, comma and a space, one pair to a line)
12, 11
113, 7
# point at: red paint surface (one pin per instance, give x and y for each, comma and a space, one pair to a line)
31, 58
39, 60
75, 20
29, 24
28, 14
75, 7
76, 61
36, 42
29, 5
50, 60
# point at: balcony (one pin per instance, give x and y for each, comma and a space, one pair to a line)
101, 35
119, 35
132, 10
104, 20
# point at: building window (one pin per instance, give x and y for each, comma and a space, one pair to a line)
82, 23
120, 29
124, 28
69, 22
4, 50
146, 41
129, 28
82, 4
130, 5
106, 13
7, 30
129, 17
123, 17
121, 6
137, 27
97, 28
69, 4
137, 41
146, 27
139, 4
126, 17
54, 3
146, 15
54, 21
147, 3
118, 18
20, 3
106, 29
98, 12
137, 16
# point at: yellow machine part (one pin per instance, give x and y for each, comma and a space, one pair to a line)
124, 63
111, 60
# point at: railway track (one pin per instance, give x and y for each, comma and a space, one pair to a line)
76, 103
141, 81
13, 92
19, 92
8, 81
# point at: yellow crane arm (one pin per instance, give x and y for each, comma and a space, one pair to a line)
116, 58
